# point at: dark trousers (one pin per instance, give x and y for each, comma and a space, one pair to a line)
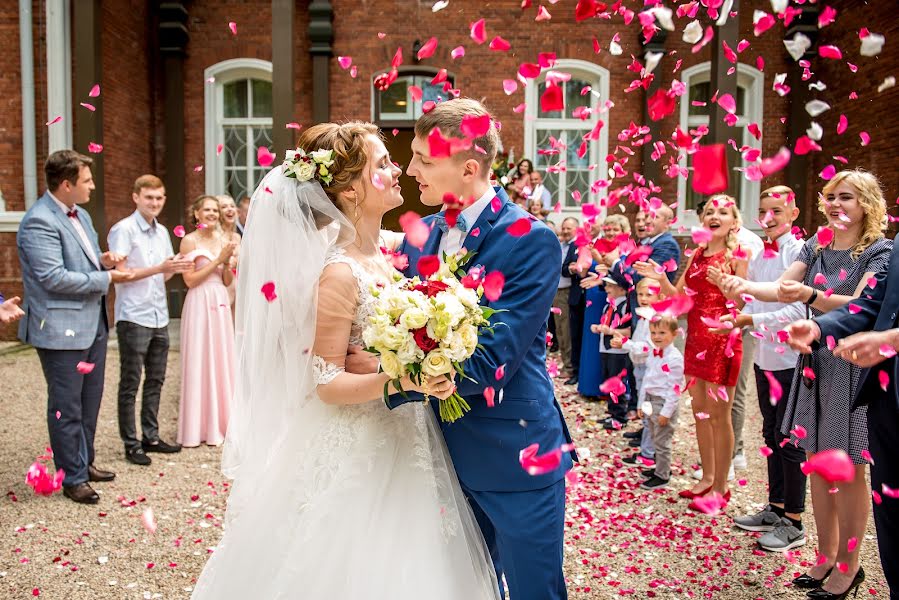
576, 325
883, 443
612, 365
786, 481
141, 348
551, 328
73, 403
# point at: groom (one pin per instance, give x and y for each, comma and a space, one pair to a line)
520, 515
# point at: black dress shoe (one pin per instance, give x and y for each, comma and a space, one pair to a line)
81, 493
160, 446
633, 435
571, 380
807, 582
95, 474
634, 443
137, 456
822, 594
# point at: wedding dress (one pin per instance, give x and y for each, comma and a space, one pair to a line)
328, 501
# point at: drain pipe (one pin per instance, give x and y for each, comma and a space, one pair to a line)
29, 136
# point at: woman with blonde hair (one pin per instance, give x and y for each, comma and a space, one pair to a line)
207, 330
228, 222
712, 361
832, 269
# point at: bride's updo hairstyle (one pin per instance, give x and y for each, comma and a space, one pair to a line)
347, 140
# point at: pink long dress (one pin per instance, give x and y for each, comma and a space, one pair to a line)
207, 359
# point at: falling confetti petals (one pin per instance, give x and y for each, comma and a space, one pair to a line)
268, 290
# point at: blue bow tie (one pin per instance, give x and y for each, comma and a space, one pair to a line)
461, 224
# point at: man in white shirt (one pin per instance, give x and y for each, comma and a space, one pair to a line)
142, 316
539, 191
775, 364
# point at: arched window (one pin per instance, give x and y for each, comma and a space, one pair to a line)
395, 106
238, 103
588, 87
694, 111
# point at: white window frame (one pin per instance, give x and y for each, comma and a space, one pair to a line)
753, 83
213, 103
598, 78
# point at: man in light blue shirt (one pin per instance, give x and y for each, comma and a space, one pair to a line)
142, 316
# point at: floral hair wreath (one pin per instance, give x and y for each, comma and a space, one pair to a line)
305, 167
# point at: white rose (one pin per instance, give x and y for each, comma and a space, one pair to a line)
469, 335
304, 171
391, 365
290, 155
414, 318
454, 347
323, 157
468, 297
410, 352
393, 338
436, 363
449, 309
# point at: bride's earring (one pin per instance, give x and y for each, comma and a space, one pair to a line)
355, 207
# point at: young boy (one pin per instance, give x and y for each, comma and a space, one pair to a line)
638, 348
660, 395
781, 519
615, 320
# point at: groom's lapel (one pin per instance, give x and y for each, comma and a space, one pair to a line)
433, 244
485, 222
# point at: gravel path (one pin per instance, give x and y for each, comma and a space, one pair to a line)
620, 541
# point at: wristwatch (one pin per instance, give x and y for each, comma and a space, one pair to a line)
812, 298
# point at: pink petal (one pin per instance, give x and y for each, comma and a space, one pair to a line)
500, 372
428, 265
854, 308
475, 126
479, 31
889, 492
776, 390
828, 172
710, 504
842, 124
674, 306
520, 227
867, 456
345, 62
766, 451
884, 379
54, 121
264, 157
233, 27
539, 465
84, 367
727, 102
94, 148
710, 171
509, 86
832, 465
148, 521
701, 235
543, 14
489, 394
805, 144
800, 432
499, 44
830, 52
95, 91
458, 52
178, 230
90, 107
493, 285
427, 50
866, 139
887, 351
825, 236
218, 149
852, 544
268, 290
827, 16
820, 279
661, 104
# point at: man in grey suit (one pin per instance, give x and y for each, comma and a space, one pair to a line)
66, 279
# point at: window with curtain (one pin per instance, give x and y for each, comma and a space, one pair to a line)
246, 125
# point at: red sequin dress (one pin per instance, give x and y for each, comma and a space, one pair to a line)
706, 353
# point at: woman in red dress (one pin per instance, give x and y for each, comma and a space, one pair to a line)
711, 361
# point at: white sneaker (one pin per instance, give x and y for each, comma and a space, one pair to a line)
739, 462
697, 474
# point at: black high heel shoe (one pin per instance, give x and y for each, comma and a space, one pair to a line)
807, 582
821, 594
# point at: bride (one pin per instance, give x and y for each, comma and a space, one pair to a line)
334, 496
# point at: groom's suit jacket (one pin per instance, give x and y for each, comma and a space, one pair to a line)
485, 443
64, 289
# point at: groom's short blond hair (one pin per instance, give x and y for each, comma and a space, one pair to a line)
447, 117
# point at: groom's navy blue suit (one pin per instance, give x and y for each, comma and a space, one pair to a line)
521, 515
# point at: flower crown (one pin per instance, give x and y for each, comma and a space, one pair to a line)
304, 167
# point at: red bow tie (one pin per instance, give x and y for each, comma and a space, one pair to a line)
658, 352
72, 214
771, 246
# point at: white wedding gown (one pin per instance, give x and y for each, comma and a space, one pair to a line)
363, 506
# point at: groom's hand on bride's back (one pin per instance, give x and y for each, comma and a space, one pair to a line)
359, 361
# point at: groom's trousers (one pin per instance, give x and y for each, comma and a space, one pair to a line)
525, 534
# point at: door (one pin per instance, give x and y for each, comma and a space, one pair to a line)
400, 148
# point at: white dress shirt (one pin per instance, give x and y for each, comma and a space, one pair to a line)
660, 383
79, 227
753, 242
142, 302
565, 280
770, 317
639, 345
452, 241
546, 198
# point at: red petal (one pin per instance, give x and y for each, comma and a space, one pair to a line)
264, 157
428, 49
499, 44
479, 31
428, 265
84, 367
520, 227
416, 230
710, 169
552, 99
661, 104
475, 126
832, 465
539, 465
268, 290
493, 285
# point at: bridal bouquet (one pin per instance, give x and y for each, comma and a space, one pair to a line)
430, 327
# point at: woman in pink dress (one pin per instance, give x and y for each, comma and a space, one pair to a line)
207, 330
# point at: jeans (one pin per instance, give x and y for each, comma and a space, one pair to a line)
612, 365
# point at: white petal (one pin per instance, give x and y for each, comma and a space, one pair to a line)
887, 84
724, 13
652, 60
647, 408
692, 32
779, 6
872, 44
818, 85
798, 45
615, 49
663, 16
816, 107
815, 131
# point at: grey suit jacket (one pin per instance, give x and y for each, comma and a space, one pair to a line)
64, 289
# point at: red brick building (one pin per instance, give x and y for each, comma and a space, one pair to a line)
176, 82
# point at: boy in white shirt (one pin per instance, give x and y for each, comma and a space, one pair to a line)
663, 384
638, 347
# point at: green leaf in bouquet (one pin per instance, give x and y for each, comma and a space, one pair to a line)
397, 383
